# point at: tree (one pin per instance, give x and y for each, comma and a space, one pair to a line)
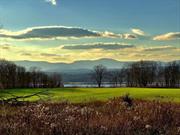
7, 74
172, 74
117, 77
99, 73
56, 80
20, 77
13, 76
160, 80
141, 73
34, 76
114, 77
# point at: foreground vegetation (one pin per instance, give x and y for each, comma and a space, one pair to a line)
94, 94
122, 116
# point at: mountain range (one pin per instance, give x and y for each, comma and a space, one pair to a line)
77, 66
78, 71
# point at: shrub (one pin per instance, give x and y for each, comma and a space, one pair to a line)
127, 99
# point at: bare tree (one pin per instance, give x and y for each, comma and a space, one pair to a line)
7, 74
34, 76
56, 80
114, 78
99, 73
172, 74
160, 80
118, 77
20, 73
141, 74
13, 76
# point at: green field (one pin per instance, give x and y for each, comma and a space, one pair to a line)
91, 94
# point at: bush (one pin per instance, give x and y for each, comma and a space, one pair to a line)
127, 99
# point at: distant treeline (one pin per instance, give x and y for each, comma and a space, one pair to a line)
137, 74
145, 74
13, 76
140, 74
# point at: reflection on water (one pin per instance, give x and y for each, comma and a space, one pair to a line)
87, 85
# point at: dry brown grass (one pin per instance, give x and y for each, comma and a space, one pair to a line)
114, 117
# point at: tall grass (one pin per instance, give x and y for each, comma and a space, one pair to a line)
102, 118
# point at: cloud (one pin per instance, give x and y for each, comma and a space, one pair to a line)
48, 32
128, 36
110, 34
52, 55
53, 2
104, 46
160, 48
26, 54
90, 51
138, 32
168, 36
59, 32
5, 46
113, 35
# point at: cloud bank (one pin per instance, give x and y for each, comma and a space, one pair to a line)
168, 36
59, 32
74, 52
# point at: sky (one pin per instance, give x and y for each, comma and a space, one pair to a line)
74, 30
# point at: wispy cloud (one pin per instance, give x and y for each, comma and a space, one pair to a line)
159, 48
53, 2
52, 55
26, 54
5, 46
108, 34
69, 53
59, 32
168, 36
104, 46
138, 32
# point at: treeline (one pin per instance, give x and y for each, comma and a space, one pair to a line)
140, 74
137, 74
13, 76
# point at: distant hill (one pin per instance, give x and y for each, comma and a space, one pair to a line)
78, 71
77, 66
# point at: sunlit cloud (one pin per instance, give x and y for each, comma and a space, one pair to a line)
168, 36
113, 35
138, 32
52, 55
26, 54
5, 46
160, 48
110, 34
128, 36
53, 2
90, 51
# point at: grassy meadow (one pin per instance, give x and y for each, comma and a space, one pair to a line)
77, 95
